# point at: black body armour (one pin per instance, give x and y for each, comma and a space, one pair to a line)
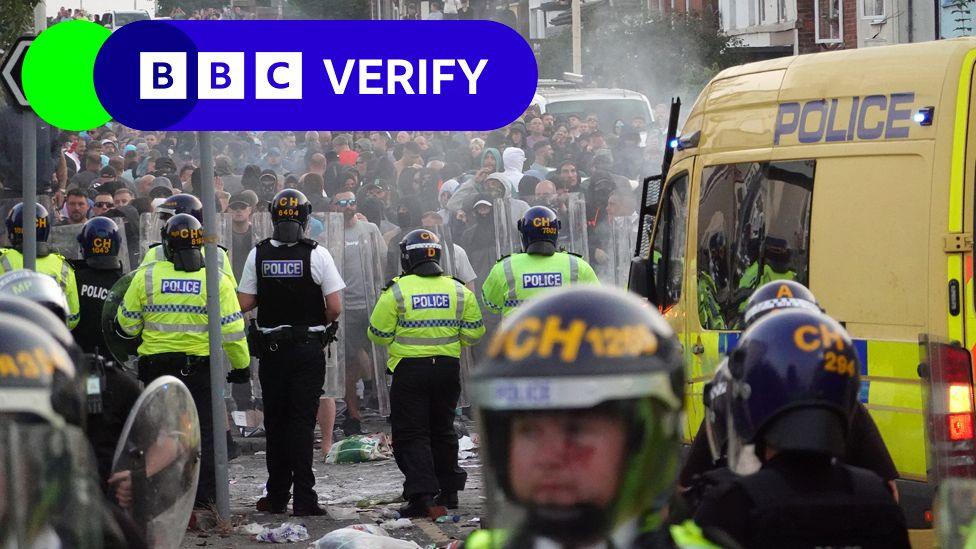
855, 510
93, 287
286, 292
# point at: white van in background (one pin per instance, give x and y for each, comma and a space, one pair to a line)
560, 97
115, 19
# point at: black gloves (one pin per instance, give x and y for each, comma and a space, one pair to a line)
240, 375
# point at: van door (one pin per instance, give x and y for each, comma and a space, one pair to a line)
670, 247
961, 227
751, 226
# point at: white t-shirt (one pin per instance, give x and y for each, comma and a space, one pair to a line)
324, 273
465, 272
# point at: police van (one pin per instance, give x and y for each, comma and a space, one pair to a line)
851, 172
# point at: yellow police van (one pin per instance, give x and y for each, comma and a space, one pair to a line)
851, 172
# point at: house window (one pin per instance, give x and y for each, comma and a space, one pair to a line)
874, 8
828, 18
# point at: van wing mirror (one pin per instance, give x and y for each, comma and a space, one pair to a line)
642, 279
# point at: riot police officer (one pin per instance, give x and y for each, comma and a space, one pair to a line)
96, 273
425, 318
186, 204
794, 385
580, 403
295, 285
166, 303
49, 262
540, 267
865, 447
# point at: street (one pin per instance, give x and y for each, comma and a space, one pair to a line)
362, 490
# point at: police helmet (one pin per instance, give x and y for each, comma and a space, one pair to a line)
716, 399
420, 253
181, 203
182, 239
539, 228
37, 378
100, 241
594, 350
69, 395
289, 214
37, 287
795, 381
776, 295
15, 225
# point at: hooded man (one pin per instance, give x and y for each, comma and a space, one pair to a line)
513, 159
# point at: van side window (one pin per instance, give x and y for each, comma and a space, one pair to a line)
669, 242
753, 227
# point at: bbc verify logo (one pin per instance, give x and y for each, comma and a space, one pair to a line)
201, 75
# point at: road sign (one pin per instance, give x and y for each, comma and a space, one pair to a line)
10, 71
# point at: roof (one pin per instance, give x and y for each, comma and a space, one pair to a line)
737, 109
570, 94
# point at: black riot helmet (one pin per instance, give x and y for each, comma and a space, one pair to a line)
795, 380
574, 353
39, 378
15, 228
37, 287
182, 240
100, 242
181, 203
420, 253
289, 214
715, 396
778, 295
68, 392
539, 227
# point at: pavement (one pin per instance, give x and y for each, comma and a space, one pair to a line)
358, 493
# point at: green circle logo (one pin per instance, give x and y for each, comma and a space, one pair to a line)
58, 75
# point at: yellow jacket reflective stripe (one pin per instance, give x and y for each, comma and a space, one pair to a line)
55, 266
156, 253
169, 308
425, 316
686, 535
519, 277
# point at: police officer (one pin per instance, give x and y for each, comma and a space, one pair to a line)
187, 204
166, 302
865, 447
96, 273
518, 277
425, 318
580, 403
794, 385
49, 262
295, 285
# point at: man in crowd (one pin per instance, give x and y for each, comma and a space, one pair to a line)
103, 202
83, 179
76, 204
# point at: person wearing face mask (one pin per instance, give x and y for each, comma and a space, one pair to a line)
408, 217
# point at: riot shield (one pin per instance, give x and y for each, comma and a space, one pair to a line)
372, 266
620, 243
123, 349
48, 491
570, 208
333, 238
158, 455
64, 240
150, 226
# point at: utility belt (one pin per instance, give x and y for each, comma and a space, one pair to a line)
434, 360
174, 364
261, 343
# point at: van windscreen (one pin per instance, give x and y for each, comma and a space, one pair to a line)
606, 110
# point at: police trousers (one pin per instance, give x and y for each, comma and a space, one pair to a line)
194, 372
291, 382
423, 399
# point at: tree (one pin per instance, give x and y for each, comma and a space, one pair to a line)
660, 56
329, 9
16, 18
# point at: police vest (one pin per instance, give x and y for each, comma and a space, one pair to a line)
864, 514
94, 286
286, 292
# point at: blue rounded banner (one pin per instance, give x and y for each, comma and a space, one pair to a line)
309, 75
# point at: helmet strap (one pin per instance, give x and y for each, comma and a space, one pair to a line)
189, 261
